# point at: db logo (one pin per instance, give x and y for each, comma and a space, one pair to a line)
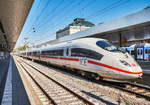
133, 64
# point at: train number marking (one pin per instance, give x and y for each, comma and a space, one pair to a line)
83, 61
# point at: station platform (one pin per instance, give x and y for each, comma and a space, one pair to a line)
147, 72
145, 65
4, 64
12, 90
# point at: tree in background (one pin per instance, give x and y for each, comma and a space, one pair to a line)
22, 48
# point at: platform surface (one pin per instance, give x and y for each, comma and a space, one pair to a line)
4, 64
147, 72
14, 92
145, 65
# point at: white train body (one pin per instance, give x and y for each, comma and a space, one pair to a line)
92, 55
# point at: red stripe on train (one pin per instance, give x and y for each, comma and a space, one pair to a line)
71, 59
95, 63
113, 68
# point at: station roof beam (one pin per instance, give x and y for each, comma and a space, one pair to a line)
13, 14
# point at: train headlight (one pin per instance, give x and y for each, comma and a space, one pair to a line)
125, 63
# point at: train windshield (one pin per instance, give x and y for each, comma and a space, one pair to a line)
108, 46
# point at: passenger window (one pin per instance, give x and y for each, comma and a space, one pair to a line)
138, 52
132, 53
141, 52
148, 51
81, 52
53, 52
145, 51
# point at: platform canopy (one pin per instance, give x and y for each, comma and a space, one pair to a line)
13, 14
129, 28
135, 26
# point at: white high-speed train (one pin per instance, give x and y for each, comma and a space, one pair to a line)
89, 56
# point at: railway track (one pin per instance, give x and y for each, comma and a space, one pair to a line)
130, 87
52, 91
133, 88
137, 90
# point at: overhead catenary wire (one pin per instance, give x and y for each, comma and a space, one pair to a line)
50, 13
69, 16
54, 9
35, 20
106, 9
37, 7
64, 17
46, 21
42, 11
59, 23
55, 32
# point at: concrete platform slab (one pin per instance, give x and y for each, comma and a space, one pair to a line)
147, 72
4, 64
14, 92
19, 95
7, 96
145, 65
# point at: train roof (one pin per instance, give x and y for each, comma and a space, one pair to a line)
80, 41
62, 44
85, 40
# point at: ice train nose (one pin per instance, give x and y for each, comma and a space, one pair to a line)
138, 75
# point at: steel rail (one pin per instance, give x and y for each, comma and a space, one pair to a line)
52, 101
74, 93
120, 85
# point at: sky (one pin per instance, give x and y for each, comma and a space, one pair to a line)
46, 17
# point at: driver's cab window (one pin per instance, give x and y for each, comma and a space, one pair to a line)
107, 46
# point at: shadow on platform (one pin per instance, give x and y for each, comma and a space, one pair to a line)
4, 64
18, 94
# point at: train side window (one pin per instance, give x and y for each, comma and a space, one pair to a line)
132, 53
34, 53
60, 52
81, 52
29, 53
53, 52
141, 52
146, 51
138, 52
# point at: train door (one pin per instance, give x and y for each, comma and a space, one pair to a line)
67, 54
141, 53
138, 53
146, 54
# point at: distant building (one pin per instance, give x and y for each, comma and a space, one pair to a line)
79, 24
